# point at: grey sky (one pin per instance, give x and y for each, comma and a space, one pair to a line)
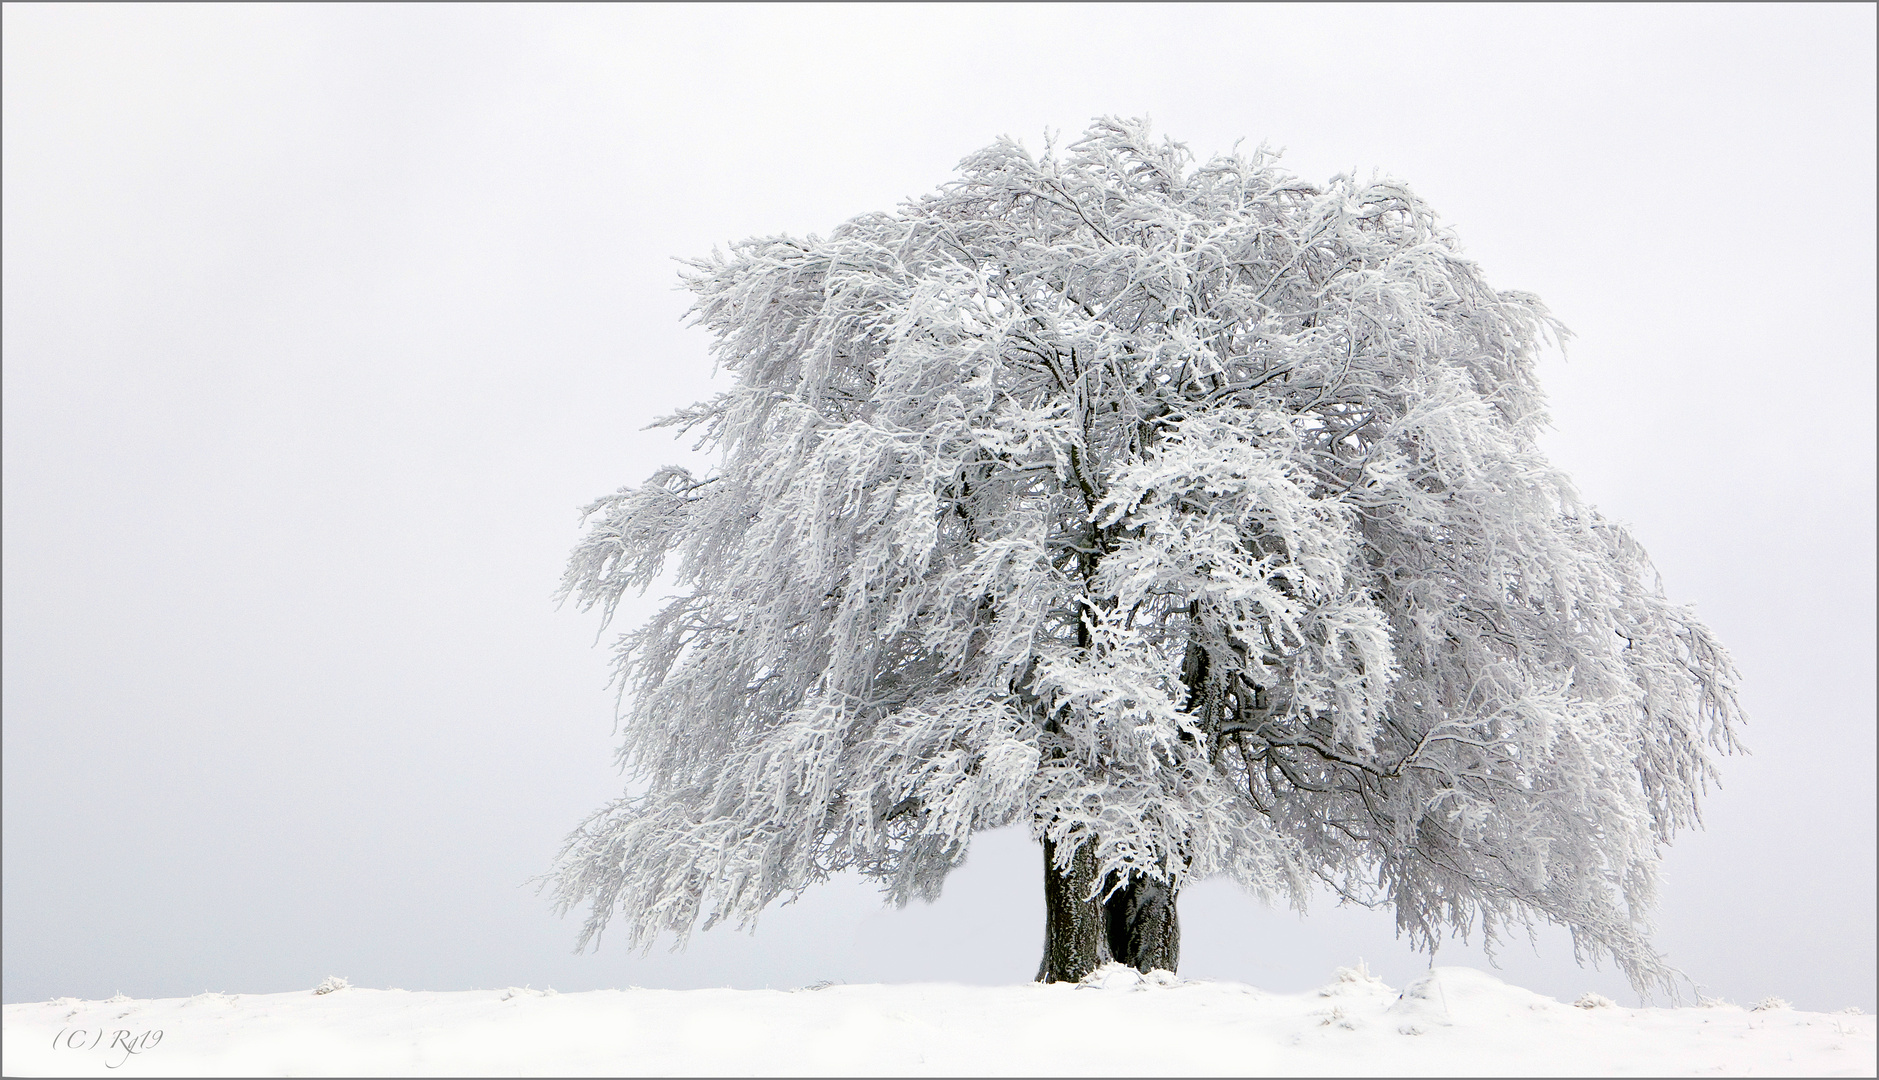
321, 322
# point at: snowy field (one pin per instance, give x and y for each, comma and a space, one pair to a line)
1452, 1022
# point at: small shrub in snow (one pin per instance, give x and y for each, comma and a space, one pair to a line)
1850, 1010
332, 983
1359, 974
117, 999
1352, 981
1769, 1004
1589, 1000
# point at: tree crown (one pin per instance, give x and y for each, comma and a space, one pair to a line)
1190, 514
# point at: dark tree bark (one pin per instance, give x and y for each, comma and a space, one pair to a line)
1074, 940
1141, 924
1136, 925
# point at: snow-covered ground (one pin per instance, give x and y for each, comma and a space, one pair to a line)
1451, 1022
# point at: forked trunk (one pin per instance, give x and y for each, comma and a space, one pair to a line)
1136, 925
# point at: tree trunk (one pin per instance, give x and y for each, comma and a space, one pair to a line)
1137, 924
1143, 929
1074, 940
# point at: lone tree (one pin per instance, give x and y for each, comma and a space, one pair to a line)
1191, 516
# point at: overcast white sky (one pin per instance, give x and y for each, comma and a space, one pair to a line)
321, 322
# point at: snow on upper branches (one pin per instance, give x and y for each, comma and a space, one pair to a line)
1192, 515
1450, 1022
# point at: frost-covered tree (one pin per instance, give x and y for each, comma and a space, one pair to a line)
1189, 515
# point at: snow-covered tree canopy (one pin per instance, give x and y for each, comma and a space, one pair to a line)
1191, 516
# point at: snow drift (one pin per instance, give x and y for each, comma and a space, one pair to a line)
1450, 1022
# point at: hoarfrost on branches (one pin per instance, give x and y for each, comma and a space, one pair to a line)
1191, 515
